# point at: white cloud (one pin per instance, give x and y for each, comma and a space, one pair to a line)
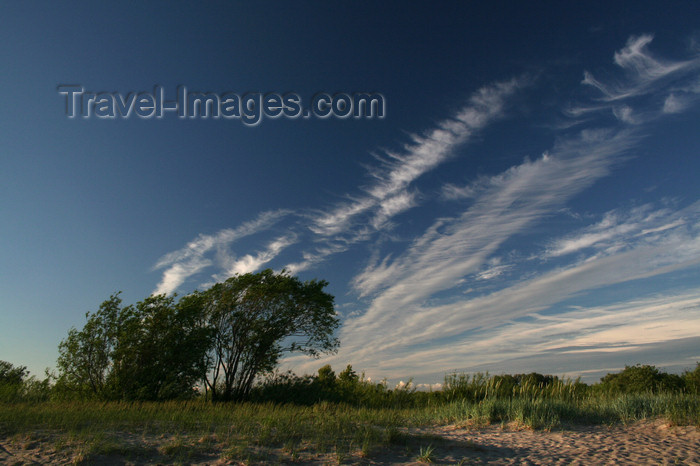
494, 268
410, 327
362, 216
615, 231
625, 113
393, 206
453, 192
614, 327
181, 264
619, 327
423, 154
336, 222
644, 70
504, 205
418, 338
252, 263
624, 246
636, 58
177, 273
647, 76
675, 103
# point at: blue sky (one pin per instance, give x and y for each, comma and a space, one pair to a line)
529, 202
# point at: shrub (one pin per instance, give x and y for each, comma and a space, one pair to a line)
691, 380
639, 379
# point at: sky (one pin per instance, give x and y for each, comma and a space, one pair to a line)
527, 201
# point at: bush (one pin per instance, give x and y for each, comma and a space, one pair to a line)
346, 387
11, 375
641, 379
691, 380
16, 387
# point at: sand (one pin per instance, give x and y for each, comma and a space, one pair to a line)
648, 442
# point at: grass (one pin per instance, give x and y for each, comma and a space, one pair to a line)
272, 433
548, 413
426, 454
242, 432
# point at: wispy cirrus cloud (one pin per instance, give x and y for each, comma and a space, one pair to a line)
194, 257
677, 102
251, 263
455, 294
618, 229
624, 327
493, 268
646, 76
416, 304
526, 318
388, 195
353, 221
644, 70
503, 205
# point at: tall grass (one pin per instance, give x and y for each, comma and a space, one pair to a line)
549, 412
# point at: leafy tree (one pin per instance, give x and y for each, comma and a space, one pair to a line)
326, 375
254, 319
84, 358
348, 375
11, 375
151, 351
226, 337
12, 380
326, 385
160, 349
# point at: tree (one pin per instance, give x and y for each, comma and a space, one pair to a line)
225, 337
151, 351
84, 358
326, 375
160, 349
254, 319
12, 375
348, 375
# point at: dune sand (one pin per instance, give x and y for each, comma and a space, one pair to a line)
647, 442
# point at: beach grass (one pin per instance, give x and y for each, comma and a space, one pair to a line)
179, 431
